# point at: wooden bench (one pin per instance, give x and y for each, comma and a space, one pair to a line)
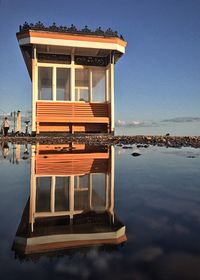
70, 116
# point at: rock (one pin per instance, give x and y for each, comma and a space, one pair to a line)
24, 157
136, 154
149, 138
139, 146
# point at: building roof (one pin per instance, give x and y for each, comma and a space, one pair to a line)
60, 42
39, 26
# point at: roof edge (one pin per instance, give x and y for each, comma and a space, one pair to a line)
39, 26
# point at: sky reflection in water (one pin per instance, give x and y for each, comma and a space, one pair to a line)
156, 198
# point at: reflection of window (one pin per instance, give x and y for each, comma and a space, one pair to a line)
82, 181
82, 85
63, 84
81, 194
62, 194
98, 192
45, 83
43, 194
98, 85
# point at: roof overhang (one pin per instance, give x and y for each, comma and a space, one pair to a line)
47, 42
71, 40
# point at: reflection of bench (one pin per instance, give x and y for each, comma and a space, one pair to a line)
71, 116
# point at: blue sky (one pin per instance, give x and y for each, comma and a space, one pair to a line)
159, 76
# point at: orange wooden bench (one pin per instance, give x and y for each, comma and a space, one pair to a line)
70, 116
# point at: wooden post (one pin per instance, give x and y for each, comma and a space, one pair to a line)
53, 188
90, 192
107, 86
71, 197
54, 84
32, 189
72, 79
90, 85
107, 187
112, 180
34, 88
112, 95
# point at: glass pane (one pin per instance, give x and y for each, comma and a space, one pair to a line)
99, 192
82, 85
45, 83
81, 197
98, 85
62, 194
43, 194
63, 84
82, 182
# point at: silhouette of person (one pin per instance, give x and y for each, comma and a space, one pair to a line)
5, 149
5, 126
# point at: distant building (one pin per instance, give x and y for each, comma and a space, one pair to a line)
72, 75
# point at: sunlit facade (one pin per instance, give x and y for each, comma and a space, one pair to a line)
72, 76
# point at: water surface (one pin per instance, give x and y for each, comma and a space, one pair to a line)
134, 217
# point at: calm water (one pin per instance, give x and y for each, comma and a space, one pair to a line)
77, 212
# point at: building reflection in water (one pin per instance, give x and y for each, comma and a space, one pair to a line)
71, 201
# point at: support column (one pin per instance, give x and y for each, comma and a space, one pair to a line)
112, 128
90, 192
71, 197
72, 79
54, 84
53, 188
90, 85
32, 202
107, 190
107, 85
34, 88
112, 180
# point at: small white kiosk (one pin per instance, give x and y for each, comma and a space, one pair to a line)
72, 73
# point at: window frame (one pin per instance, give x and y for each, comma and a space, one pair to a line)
54, 67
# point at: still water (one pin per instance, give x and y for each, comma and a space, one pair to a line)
82, 212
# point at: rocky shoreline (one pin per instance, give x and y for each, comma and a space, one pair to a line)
167, 141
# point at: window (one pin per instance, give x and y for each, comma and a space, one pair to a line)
45, 83
98, 85
82, 85
54, 83
63, 84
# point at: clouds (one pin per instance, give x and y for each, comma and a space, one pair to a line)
183, 120
135, 123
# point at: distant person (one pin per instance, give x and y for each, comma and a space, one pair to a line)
5, 126
5, 149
